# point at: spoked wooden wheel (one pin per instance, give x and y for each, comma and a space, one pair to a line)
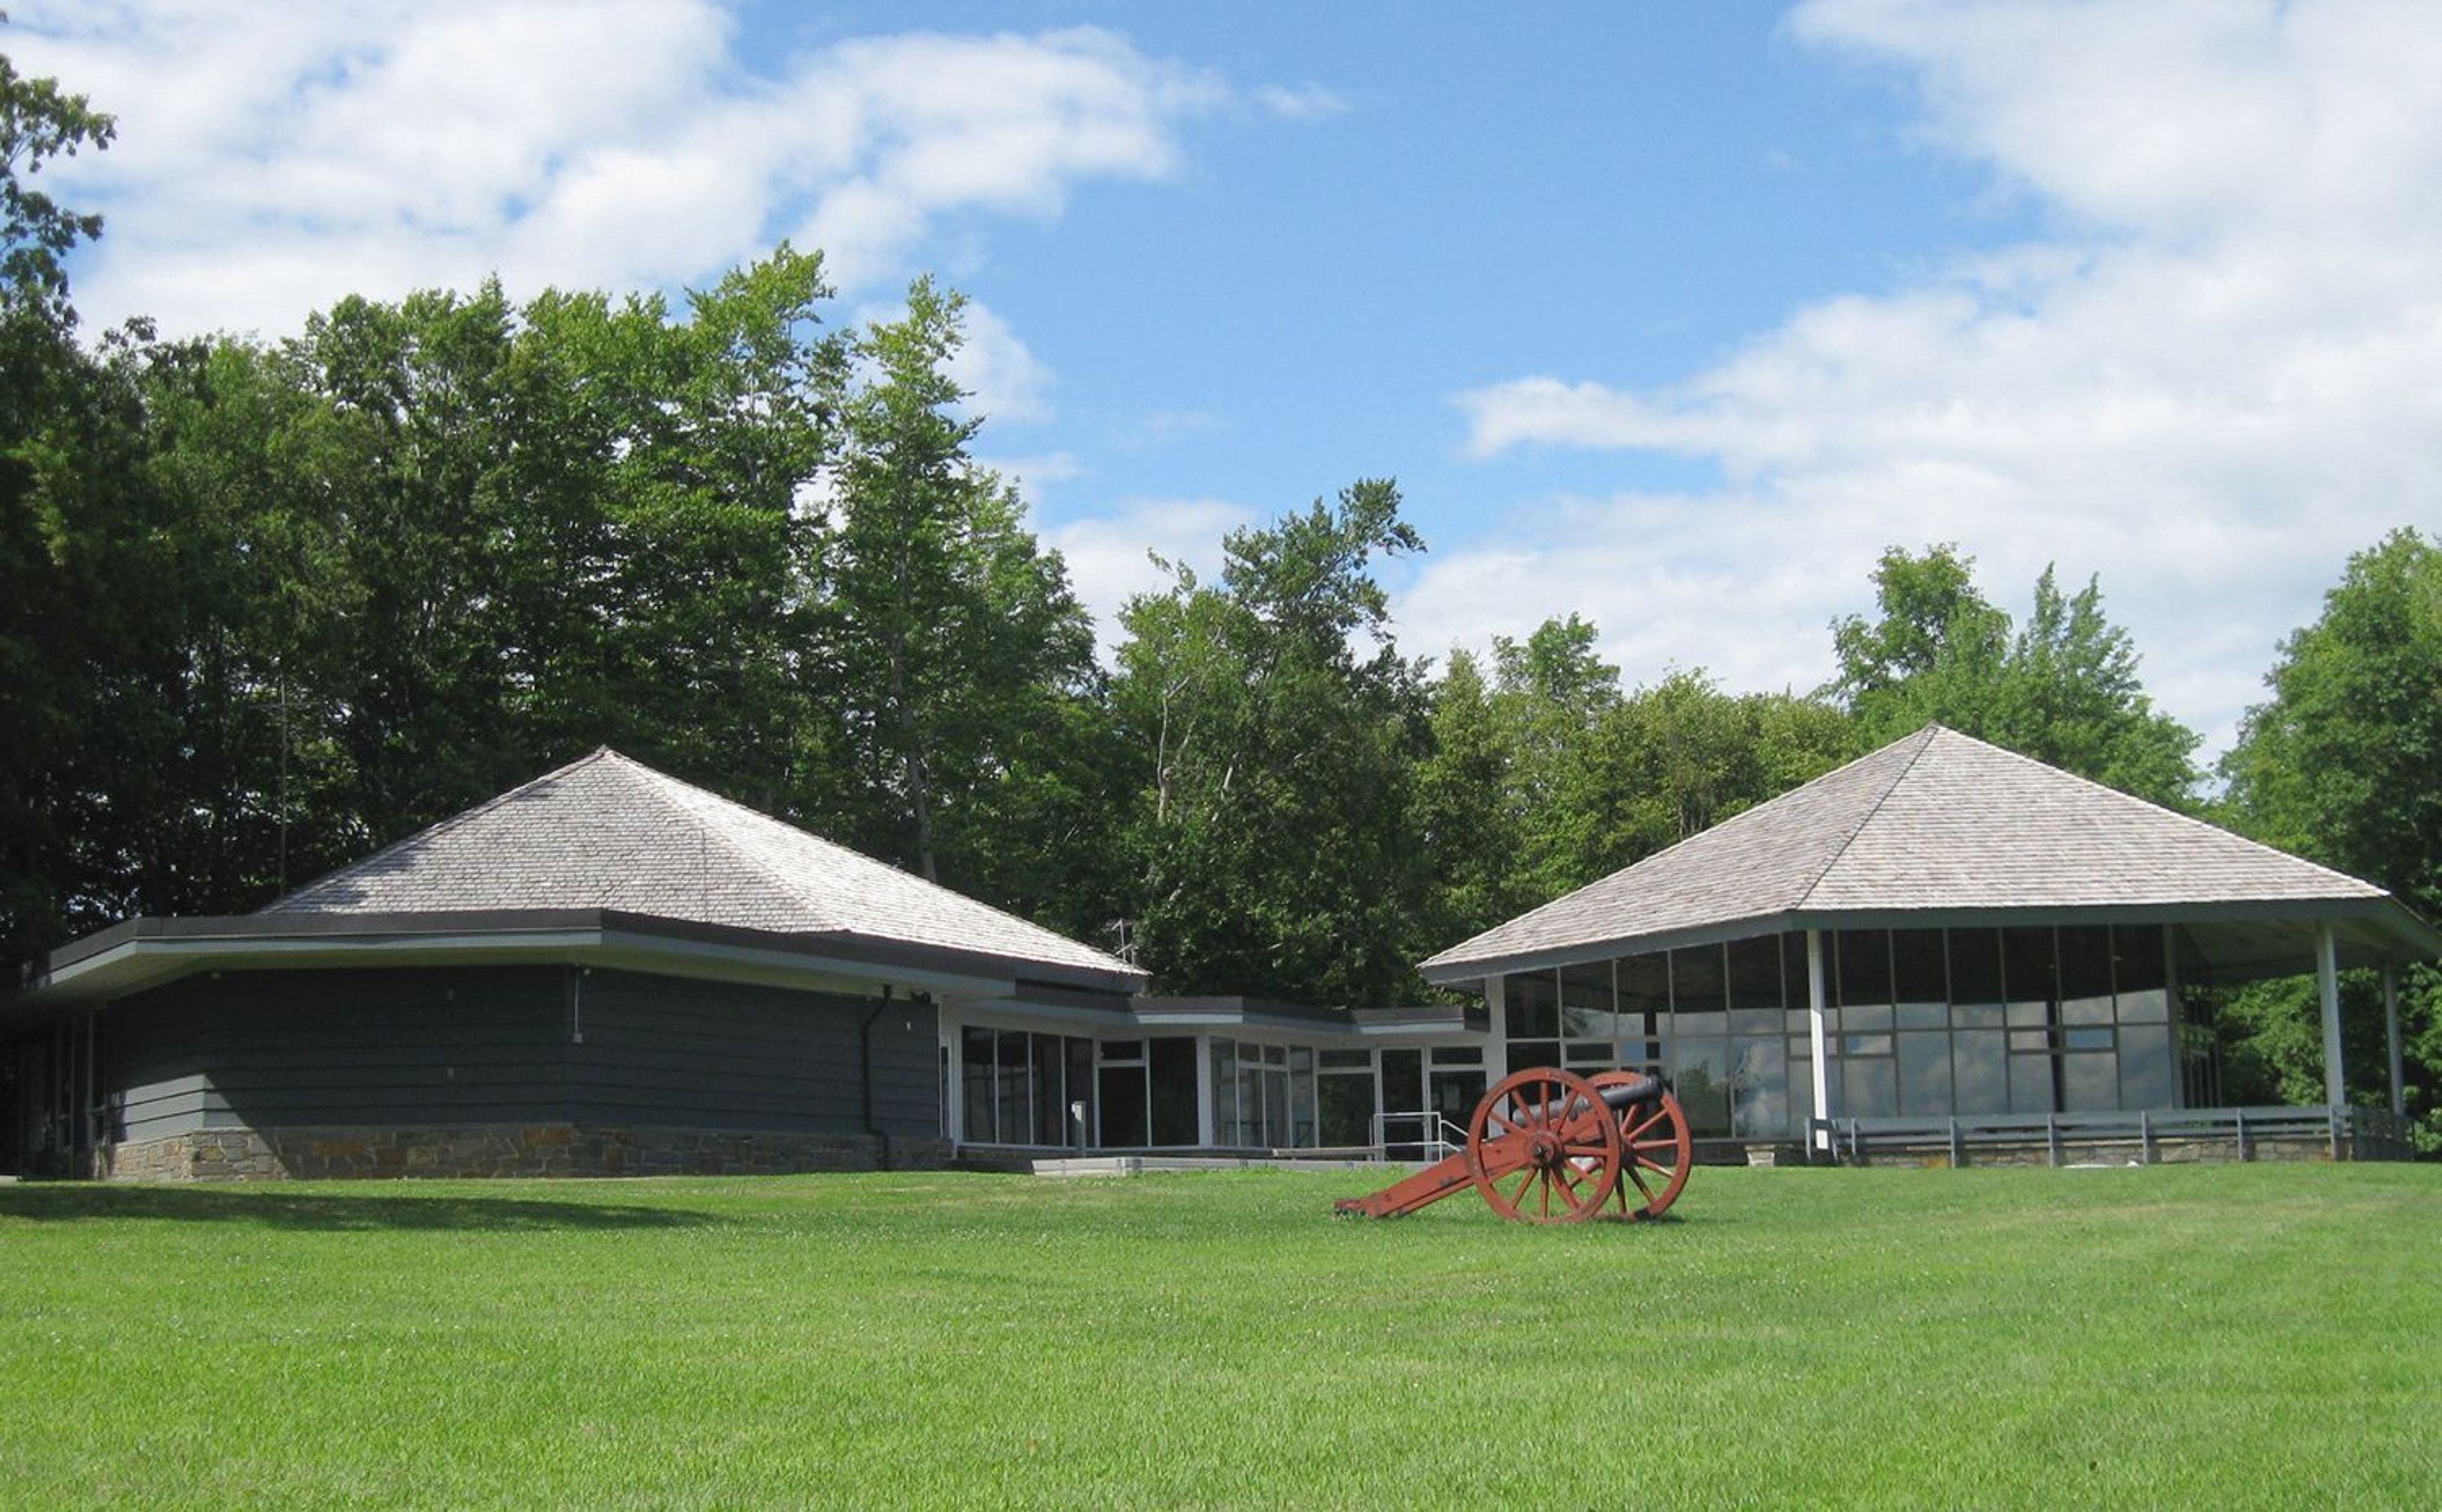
1543, 1148
1657, 1148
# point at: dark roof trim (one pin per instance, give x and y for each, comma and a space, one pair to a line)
176, 947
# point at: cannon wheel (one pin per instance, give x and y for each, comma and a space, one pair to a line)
1658, 1151
1536, 1154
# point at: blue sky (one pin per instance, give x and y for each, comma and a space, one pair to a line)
1673, 316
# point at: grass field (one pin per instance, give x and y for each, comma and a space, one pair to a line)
2221, 1337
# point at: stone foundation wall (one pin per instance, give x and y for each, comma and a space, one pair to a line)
502, 1150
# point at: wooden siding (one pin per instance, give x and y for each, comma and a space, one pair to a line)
513, 1044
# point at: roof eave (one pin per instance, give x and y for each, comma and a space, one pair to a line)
2407, 937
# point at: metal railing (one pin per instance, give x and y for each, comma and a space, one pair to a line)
2346, 1133
1428, 1133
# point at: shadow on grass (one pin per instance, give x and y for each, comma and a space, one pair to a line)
70, 1202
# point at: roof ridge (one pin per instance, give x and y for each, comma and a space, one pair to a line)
442, 826
1923, 743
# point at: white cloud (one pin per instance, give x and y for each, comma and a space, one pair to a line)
273, 158
1110, 556
2219, 374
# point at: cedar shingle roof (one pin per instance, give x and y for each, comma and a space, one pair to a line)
608, 833
1936, 822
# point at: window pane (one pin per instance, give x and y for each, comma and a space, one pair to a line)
1121, 1089
1534, 1004
1871, 1017
1172, 1065
1124, 1049
2031, 1083
1865, 1045
2089, 1083
1925, 1015
2148, 1075
2027, 966
1347, 1109
1918, 971
1403, 1080
1585, 1002
1050, 1107
1980, 1067
1593, 1054
1865, 966
1976, 1015
1080, 1092
2137, 964
1455, 1054
1700, 1073
1225, 1092
1016, 1124
2088, 1039
1976, 966
1759, 1109
2085, 973
1696, 982
2151, 1005
1349, 1059
1644, 991
1755, 972
975, 1077
1925, 1074
1869, 1089
1527, 1054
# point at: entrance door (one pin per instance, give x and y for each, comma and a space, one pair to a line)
1456, 1091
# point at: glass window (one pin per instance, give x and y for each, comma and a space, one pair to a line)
1171, 1069
1124, 1049
1869, 1017
1302, 1114
1868, 1089
1590, 1054
1754, 967
1527, 1054
2147, 1068
1697, 985
976, 1080
1081, 1089
2137, 958
1585, 1002
1012, 1085
1977, 1015
2031, 1083
1347, 1108
1644, 991
1925, 1015
1403, 1080
1925, 1074
2085, 973
1455, 1054
1919, 971
1865, 1045
2151, 1005
2027, 967
1700, 1073
1980, 1080
1225, 1093
1050, 1106
1121, 1090
1533, 1004
1865, 966
2089, 1083
1976, 966
1351, 1060
2086, 1039
1760, 1102
1794, 986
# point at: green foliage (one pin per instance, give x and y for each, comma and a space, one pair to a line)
2343, 765
1991, 1339
40, 122
952, 669
2062, 688
1280, 730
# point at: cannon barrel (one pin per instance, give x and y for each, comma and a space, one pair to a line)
1619, 1094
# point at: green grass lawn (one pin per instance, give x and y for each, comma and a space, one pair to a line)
2219, 1337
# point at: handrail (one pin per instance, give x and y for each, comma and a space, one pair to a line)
1433, 1134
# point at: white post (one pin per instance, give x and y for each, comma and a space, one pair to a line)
2391, 1038
1814, 1029
2327, 977
1203, 1090
1496, 1014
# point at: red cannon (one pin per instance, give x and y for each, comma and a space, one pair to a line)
1550, 1146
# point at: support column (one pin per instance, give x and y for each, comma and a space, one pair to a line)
2391, 1039
2328, 978
1814, 1027
1204, 1129
1496, 1012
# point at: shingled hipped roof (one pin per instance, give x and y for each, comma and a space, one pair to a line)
1938, 825
606, 832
